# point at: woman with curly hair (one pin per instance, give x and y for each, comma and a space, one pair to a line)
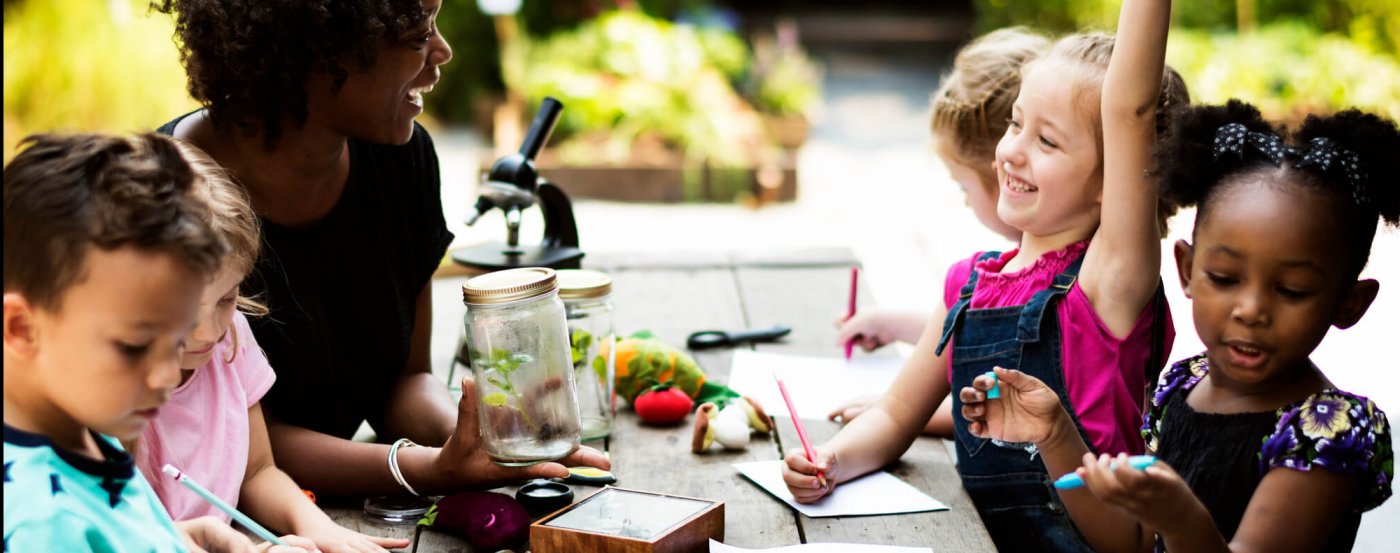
310, 105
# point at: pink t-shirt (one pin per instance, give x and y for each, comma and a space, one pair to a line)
1103, 373
203, 429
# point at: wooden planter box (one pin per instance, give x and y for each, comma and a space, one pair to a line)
789, 131
775, 182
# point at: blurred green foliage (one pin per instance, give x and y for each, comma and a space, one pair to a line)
90, 66
475, 70
782, 79
643, 77
1301, 56
1373, 24
1288, 69
472, 81
110, 65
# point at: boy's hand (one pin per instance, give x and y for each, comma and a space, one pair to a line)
1155, 495
211, 535
462, 463
872, 330
330, 537
1027, 411
800, 475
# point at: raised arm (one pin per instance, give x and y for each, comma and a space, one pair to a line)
1122, 266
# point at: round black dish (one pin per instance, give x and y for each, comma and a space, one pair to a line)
541, 497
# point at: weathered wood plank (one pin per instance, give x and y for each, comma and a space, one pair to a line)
733, 291
810, 299
673, 304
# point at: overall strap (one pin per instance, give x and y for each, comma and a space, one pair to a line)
964, 298
1157, 359
1028, 328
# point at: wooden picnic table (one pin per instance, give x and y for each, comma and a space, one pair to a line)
676, 295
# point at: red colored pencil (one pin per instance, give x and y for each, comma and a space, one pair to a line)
851, 308
801, 432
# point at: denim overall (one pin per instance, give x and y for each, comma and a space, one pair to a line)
1007, 481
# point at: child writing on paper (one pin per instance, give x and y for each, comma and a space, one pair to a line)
1071, 167
1258, 451
969, 114
213, 428
107, 250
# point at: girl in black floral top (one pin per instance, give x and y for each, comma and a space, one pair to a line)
1256, 449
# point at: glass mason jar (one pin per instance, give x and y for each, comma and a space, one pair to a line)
518, 344
586, 304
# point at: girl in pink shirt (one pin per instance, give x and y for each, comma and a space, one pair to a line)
212, 427
1072, 169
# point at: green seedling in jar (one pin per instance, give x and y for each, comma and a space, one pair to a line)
499, 367
579, 341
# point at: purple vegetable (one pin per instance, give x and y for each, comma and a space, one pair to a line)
489, 521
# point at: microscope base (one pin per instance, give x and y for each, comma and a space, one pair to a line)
492, 256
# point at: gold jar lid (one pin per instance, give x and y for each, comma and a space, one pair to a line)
579, 284
509, 285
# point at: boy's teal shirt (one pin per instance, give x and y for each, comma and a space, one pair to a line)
59, 500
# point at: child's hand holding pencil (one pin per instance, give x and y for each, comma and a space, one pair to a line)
806, 461
801, 474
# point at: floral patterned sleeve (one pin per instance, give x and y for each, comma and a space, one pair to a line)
1180, 375
1340, 432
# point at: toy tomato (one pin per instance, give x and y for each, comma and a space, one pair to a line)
662, 405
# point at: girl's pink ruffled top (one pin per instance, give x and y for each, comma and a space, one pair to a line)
1103, 373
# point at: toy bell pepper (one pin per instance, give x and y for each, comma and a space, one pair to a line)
663, 404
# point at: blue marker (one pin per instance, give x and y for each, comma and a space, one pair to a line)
995, 391
1072, 480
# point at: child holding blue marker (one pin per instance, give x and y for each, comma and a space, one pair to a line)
1082, 285
1258, 450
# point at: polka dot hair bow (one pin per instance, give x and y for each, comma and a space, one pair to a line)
1326, 154
1234, 138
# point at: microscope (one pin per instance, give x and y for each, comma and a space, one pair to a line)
513, 185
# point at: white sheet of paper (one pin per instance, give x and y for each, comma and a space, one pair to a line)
717, 547
877, 493
818, 385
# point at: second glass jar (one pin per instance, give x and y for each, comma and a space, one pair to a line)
588, 307
518, 345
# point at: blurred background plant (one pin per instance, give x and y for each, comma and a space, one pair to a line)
685, 76
1287, 69
1290, 57
627, 77
103, 65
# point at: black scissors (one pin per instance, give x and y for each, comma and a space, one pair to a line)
706, 339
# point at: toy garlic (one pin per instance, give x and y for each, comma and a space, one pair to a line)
731, 426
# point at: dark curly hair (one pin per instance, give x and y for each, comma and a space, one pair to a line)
1189, 173
248, 60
